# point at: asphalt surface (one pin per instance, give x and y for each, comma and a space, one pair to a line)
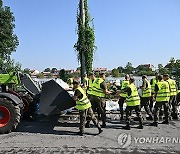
59, 135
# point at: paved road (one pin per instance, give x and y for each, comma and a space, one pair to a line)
57, 135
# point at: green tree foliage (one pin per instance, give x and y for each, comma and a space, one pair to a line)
9, 66
63, 75
162, 69
53, 70
143, 70
26, 70
115, 72
8, 40
129, 68
86, 38
47, 70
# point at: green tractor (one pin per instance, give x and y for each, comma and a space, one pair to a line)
15, 102
19, 96
11, 106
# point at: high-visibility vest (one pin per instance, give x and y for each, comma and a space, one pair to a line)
124, 84
90, 86
70, 82
163, 93
84, 102
154, 81
97, 90
147, 92
133, 99
172, 85
85, 83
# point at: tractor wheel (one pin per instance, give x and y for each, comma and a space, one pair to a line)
9, 116
29, 106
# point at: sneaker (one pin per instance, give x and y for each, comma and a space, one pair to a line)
127, 127
154, 124
165, 122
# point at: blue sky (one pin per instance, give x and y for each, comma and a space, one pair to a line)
138, 31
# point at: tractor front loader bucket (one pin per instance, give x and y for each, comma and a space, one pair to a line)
54, 98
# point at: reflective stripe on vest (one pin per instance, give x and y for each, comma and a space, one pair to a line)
133, 99
173, 89
163, 93
154, 81
147, 92
97, 90
90, 86
124, 84
83, 103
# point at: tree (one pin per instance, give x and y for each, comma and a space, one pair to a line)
85, 44
162, 69
9, 66
26, 70
47, 70
121, 69
8, 40
129, 68
115, 72
63, 75
53, 70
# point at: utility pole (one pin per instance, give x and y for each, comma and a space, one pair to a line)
82, 14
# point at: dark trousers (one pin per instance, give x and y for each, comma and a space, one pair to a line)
99, 105
173, 106
138, 113
151, 104
121, 103
145, 103
83, 114
157, 109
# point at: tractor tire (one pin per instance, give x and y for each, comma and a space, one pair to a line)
10, 116
29, 106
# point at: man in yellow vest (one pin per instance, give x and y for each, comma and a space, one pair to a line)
173, 93
146, 96
85, 82
84, 106
132, 103
98, 94
153, 82
89, 93
162, 95
123, 95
